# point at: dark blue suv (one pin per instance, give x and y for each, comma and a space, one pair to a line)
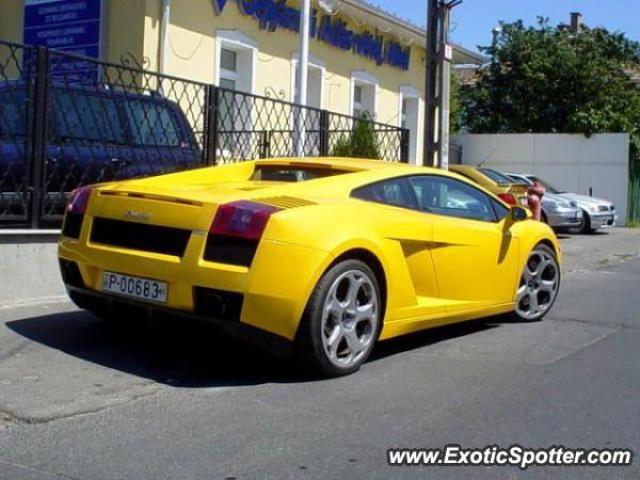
94, 134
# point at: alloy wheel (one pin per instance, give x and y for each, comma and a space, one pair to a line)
350, 318
538, 286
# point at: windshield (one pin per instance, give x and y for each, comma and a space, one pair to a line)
287, 173
547, 187
499, 178
13, 118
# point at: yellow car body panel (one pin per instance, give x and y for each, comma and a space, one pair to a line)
436, 269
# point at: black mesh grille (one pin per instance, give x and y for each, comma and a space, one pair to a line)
137, 236
230, 250
71, 274
72, 225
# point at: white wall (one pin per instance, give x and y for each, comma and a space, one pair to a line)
571, 162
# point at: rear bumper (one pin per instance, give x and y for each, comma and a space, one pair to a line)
564, 218
274, 290
102, 304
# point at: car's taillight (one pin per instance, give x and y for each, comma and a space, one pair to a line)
76, 208
508, 198
242, 219
79, 200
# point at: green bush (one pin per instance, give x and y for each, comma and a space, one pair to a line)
360, 143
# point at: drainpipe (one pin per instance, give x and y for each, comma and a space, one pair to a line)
164, 35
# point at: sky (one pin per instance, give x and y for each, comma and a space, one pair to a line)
473, 21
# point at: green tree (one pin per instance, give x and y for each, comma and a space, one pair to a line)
455, 107
544, 79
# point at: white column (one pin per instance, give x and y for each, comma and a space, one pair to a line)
303, 64
164, 35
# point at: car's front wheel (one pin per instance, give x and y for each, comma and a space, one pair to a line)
342, 320
539, 285
585, 225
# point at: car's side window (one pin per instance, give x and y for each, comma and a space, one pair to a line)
447, 196
500, 209
396, 192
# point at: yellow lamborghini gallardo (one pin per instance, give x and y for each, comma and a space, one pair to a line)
319, 258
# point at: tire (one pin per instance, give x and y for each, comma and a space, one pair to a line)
543, 217
585, 227
538, 286
342, 320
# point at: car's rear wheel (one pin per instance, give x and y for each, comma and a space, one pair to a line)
342, 320
539, 285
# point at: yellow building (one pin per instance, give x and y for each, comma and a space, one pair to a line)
361, 58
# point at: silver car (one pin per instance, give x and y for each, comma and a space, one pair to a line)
557, 211
597, 213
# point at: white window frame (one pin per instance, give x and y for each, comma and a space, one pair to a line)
314, 63
410, 92
365, 79
239, 43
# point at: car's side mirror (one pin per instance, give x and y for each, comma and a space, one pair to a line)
518, 214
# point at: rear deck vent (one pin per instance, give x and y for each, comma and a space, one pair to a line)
285, 202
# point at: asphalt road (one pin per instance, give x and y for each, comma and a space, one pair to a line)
79, 400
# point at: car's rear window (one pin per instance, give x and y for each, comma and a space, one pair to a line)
293, 174
499, 178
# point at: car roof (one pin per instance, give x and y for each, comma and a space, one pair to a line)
520, 174
349, 164
376, 168
93, 88
360, 172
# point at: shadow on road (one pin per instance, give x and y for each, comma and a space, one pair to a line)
194, 355
425, 338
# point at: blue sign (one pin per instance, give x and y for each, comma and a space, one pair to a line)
275, 14
68, 25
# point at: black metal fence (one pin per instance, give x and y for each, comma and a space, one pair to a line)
68, 121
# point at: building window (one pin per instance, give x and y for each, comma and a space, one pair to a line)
409, 115
364, 95
315, 81
403, 113
236, 56
236, 59
358, 108
228, 68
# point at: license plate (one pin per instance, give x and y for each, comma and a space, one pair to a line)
135, 287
